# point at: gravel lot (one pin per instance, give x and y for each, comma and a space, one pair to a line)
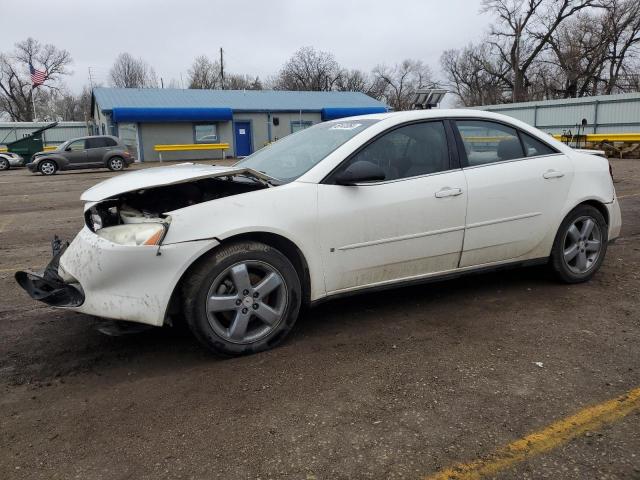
393, 385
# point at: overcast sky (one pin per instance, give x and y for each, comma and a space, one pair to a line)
257, 36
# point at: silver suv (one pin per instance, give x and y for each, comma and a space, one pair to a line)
86, 152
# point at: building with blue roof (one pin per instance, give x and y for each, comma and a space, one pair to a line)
245, 119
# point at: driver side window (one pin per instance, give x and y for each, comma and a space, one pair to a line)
76, 146
409, 151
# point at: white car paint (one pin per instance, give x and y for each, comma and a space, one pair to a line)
351, 237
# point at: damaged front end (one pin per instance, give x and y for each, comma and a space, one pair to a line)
48, 286
119, 266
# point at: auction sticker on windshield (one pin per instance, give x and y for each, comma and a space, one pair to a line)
345, 126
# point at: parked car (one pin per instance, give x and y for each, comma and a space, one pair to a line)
86, 152
345, 206
10, 159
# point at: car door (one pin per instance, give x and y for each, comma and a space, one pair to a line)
408, 226
96, 148
76, 154
517, 185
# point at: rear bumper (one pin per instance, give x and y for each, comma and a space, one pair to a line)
615, 219
17, 162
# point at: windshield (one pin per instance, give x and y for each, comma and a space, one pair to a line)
62, 146
295, 154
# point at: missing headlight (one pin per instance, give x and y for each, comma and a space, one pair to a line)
101, 216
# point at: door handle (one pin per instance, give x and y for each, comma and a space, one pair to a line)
448, 192
552, 174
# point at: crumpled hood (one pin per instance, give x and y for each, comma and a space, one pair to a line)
160, 176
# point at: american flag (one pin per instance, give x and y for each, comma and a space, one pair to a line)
37, 76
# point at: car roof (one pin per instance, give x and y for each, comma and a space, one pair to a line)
93, 136
433, 113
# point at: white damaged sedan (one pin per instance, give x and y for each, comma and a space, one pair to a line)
344, 206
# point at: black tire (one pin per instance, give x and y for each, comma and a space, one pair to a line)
4, 164
47, 167
115, 164
208, 326
570, 271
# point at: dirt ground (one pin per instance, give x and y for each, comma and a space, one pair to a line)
392, 385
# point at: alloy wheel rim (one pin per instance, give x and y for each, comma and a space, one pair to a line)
48, 168
116, 164
246, 302
4, 164
582, 245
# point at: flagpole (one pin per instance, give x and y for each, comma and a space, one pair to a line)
33, 104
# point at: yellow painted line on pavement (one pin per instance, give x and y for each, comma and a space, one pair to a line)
544, 440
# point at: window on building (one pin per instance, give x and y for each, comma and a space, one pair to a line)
297, 125
205, 133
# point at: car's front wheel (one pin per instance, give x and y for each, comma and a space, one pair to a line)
244, 298
47, 167
4, 164
115, 164
580, 245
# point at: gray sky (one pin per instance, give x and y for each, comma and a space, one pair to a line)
258, 37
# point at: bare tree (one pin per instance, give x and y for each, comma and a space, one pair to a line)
467, 73
353, 81
130, 72
236, 81
15, 81
309, 69
577, 57
205, 73
399, 82
622, 28
522, 31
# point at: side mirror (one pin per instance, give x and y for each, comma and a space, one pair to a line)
360, 172
68, 149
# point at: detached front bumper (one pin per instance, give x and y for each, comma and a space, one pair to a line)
132, 283
48, 286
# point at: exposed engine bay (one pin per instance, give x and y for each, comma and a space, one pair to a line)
149, 205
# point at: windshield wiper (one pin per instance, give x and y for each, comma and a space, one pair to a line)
258, 177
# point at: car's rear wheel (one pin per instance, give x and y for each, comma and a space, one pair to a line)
580, 245
47, 167
4, 164
244, 298
115, 164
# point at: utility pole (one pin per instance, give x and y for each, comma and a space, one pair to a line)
222, 68
90, 78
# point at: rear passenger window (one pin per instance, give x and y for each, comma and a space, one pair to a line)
489, 142
534, 147
96, 142
409, 151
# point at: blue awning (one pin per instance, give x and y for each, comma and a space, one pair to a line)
333, 113
174, 114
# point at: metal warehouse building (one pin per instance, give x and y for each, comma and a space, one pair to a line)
246, 120
63, 131
604, 114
